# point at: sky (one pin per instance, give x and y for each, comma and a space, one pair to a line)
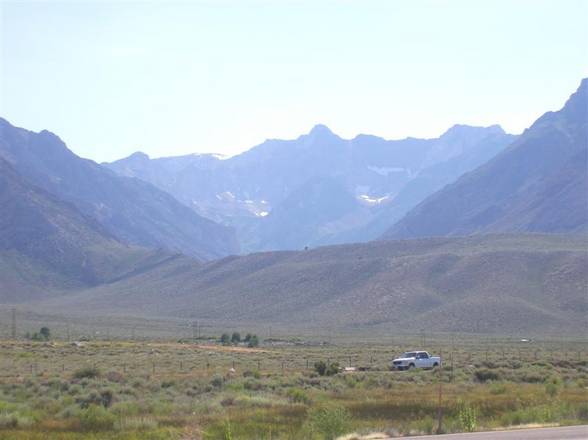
170, 78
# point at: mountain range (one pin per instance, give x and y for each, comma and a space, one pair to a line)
319, 188
476, 230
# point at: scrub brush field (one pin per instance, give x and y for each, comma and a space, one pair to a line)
284, 389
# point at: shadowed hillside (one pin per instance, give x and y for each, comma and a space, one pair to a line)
538, 184
47, 246
131, 210
531, 283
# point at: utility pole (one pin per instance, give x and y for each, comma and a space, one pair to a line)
439, 402
13, 324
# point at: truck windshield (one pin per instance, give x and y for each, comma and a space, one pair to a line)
409, 354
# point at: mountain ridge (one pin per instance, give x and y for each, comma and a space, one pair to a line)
250, 190
500, 195
48, 247
459, 284
131, 209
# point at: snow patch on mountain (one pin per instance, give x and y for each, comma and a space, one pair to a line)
384, 171
372, 201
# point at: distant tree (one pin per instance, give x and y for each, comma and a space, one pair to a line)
324, 369
320, 367
253, 341
236, 338
247, 337
332, 369
45, 333
225, 339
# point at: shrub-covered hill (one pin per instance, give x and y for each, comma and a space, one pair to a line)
496, 283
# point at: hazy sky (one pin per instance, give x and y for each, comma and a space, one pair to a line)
170, 78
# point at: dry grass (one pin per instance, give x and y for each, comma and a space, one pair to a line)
166, 390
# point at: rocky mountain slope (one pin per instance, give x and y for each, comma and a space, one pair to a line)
48, 247
538, 184
131, 210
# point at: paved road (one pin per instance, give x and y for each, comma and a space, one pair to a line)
564, 433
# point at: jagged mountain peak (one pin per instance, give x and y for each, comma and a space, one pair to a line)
139, 155
320, 133
320, 130
262, 181
458, 130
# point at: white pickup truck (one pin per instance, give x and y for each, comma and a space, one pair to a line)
415, 359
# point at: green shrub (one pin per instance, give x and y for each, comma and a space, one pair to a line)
249, 373
74, 390
531, 377
227, 431
13, 420
87, 373
333, 369
115, 376
324, 369
582, 412
467, 417
217, 382
498, 388
252, 385
253, 341
551, 389
168, 383
69, 411
320, 367
329, 422
96, 418
45, 333
126, 409
106, 397
103, 398
484, 375
298, 395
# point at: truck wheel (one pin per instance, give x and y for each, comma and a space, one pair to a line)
435, 365
410, 366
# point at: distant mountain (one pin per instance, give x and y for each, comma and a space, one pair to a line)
305, 214
258, 191
131, 210
526, 284
48, 247
538, 184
